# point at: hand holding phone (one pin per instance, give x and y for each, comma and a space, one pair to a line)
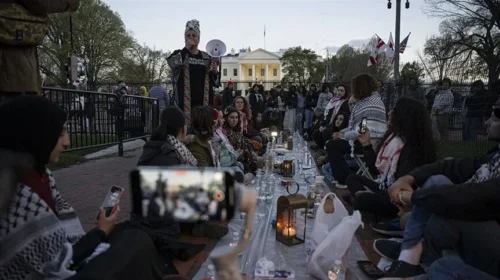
363, 125
107, 223
111, 201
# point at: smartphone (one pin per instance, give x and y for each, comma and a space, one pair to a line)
187, 195
363, 125
111, 200
370, 269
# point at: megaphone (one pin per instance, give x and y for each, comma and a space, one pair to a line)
216, 49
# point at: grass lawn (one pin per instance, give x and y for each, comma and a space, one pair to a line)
459, 149
84, 140
73, 157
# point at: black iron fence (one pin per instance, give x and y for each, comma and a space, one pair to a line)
103, 119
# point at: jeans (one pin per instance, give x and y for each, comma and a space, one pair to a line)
309, 115
476, 243
470, 127
337, 149
299, 120
417, 223
453, 268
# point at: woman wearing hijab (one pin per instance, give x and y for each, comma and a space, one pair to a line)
41, 236
194, 73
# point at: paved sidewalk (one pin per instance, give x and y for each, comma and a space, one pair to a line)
85, 185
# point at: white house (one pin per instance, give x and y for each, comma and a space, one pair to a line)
249, 67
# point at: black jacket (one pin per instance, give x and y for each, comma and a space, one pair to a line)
461, 201
344, 109
311, 101
257, 105
291, 100
227, 97
159, 153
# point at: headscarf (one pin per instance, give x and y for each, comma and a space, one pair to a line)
144, 91
193, 25
31, 124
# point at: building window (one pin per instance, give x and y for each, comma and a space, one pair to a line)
262, 72
275, 72
224, 72
250, 72
235, 72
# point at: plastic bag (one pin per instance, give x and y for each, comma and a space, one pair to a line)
325, 222
334, 247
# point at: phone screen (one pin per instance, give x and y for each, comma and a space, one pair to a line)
111, 199
363, 125
187, 195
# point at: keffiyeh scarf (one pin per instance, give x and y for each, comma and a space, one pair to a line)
182, 151
387, 160
487, 171
34, 241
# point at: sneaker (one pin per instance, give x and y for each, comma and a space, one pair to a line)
403, 270
213, 230
387, 248
388, 228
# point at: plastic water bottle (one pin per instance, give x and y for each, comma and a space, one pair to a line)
337, 271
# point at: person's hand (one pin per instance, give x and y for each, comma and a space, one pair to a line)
337, 135
405, 197
364, 138
214, 67
321, 128
402, 184
107, 224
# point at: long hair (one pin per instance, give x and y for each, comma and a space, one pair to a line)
203, 122
410, 120
229, 111
363, 86
246, 105
171, 122
347, 90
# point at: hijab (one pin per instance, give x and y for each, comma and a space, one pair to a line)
33, 125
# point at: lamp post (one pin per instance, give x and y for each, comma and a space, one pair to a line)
397, 39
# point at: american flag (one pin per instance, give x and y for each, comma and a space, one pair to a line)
378, 49
403, 44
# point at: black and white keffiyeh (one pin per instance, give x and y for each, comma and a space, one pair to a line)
182, 151
34, 241
487, 171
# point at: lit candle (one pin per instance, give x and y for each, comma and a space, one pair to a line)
279, 226
289, 232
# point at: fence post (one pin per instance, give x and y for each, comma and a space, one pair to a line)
120, 124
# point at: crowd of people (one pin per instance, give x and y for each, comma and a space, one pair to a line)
445, 210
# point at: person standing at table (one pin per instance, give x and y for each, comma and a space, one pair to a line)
194, 73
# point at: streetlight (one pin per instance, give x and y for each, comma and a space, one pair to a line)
397, 35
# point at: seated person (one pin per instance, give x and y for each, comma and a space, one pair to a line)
407, 144
260, 125
340, 122
228, 156
338, 105
252, 132
165, 148
201, 145
450, 268
48, 242
462, 192
233, 131
368, 105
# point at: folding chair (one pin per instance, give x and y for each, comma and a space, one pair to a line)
363, 169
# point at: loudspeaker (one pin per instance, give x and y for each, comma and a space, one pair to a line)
216, 48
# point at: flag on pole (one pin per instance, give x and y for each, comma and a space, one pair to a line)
378, 48
389, 51
402, 46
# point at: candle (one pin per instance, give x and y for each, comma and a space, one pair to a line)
289, 232
279, 227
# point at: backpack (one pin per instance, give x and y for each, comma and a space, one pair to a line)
20, 27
